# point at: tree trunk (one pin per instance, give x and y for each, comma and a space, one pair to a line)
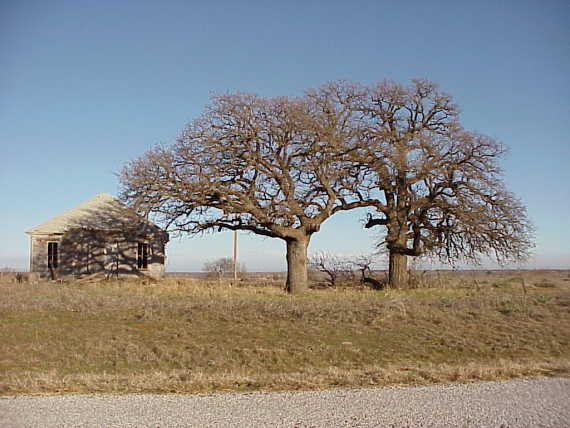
398, 270
297, 265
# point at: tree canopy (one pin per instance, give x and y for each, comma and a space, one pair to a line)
275, 167
279, 167
441, 185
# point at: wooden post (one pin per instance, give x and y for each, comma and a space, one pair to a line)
235, 256
31, 267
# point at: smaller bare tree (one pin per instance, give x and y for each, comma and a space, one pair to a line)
222, 266
336, 268
340, 269
364, 264
442, 193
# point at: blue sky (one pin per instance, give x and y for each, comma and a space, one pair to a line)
86, 86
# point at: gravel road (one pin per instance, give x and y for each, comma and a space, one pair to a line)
520, 403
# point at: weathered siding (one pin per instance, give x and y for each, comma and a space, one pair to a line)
39, 252
83, 251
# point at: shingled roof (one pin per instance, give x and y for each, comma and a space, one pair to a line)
102, 212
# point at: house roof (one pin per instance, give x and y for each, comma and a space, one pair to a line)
102, 212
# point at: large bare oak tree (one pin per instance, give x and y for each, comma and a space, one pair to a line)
441, 185
277, 167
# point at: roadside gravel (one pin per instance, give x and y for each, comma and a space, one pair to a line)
519, 403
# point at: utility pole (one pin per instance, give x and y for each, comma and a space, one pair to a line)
235, 255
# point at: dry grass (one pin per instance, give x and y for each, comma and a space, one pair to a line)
187, 336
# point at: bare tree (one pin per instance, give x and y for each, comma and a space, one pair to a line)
280, 167
335, 267
275, 167
339, 268
364, 264
222, 266
441, 187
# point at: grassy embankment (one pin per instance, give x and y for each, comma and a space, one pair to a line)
183, 336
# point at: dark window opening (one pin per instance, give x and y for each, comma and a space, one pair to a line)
142, 255
52, 255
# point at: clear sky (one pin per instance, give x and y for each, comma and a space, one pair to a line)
88, 85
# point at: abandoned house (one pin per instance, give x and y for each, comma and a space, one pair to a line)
99, 236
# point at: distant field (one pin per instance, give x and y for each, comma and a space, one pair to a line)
193, 335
